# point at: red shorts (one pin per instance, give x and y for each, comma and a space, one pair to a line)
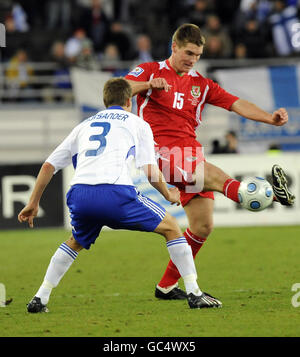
178, 163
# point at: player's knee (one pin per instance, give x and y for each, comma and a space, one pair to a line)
202, 229
169, 227
73, 244
171, 224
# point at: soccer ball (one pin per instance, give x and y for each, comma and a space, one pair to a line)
255, 194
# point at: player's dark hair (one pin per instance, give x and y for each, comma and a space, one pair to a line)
188, 33
116, 91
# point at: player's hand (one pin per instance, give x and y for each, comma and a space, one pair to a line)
174, 196
280, 117
159, 83
28, 214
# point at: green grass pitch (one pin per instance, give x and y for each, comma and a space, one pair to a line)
109, 290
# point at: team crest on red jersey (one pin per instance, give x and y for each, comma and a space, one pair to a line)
196, 92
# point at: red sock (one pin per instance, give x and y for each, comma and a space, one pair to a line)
230, 189
194, 241
172, 275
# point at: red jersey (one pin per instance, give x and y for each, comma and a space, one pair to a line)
174, 115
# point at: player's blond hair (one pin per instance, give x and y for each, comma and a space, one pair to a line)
188, 33
116, 91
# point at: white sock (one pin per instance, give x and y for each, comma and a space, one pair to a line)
182, 256
59, 265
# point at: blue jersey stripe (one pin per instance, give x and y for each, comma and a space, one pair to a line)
74, 160
131, 151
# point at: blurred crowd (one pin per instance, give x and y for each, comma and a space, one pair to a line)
102, 34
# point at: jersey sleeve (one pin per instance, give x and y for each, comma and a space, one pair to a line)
61, 157
145, 153
218, 96
141, 73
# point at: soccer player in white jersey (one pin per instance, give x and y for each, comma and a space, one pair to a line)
102, 192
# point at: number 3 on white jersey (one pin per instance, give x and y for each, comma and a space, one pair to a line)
178, 100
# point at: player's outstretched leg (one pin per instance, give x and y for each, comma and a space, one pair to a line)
59, 265
217, 180
280, 188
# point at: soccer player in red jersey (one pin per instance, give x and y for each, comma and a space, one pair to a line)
170, 97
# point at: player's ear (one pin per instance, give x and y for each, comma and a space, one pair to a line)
129, 104
174, 46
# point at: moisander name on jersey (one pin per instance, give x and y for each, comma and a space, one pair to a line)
109, 116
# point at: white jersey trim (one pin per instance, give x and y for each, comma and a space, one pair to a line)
198, 112
193, 73
148, 94
163, 64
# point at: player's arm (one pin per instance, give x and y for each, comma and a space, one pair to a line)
155, 83
30, 211
156, 179
145, 159
251, 111
61, 157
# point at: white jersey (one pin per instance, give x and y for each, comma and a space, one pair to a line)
102, 145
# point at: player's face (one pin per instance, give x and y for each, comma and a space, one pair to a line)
184, 58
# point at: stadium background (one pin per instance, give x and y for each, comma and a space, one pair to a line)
59, 53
